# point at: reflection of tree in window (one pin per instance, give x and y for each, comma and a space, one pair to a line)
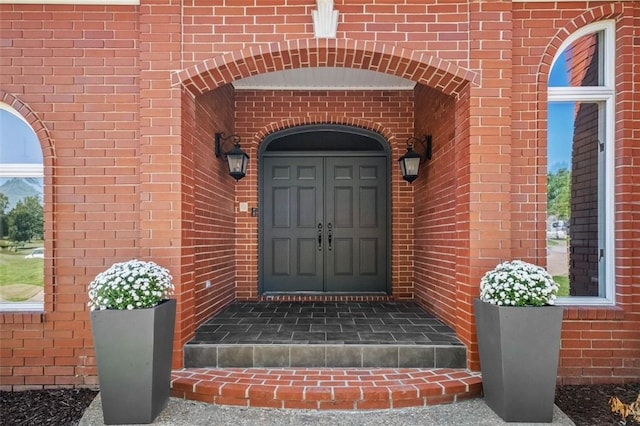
26, 221
559, 194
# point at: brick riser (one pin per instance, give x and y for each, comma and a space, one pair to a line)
326, 389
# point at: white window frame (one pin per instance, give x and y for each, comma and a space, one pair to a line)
604, 95
24, 171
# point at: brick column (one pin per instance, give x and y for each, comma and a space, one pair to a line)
484, 160
164, 166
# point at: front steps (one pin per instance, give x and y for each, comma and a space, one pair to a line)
325, 355
322, 334
326, 389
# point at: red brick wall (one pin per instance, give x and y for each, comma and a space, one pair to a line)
435, 231
437, 27
261, 112
214, 230
166, 167
127, 164
75, 69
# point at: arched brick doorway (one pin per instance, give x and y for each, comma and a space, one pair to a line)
211, 104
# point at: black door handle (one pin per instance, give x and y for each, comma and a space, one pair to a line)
329, 235
319, 236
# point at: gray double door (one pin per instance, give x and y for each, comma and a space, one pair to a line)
324, 224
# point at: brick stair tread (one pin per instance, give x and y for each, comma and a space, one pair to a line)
326, 388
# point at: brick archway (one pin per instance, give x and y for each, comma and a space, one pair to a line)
370, 55
328, 119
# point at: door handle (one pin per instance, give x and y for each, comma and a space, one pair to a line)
329, 235
319, 236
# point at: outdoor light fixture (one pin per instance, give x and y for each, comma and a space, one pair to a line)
410, 162
236, 157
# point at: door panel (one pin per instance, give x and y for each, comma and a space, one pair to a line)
325, 224
356, 212
292, 207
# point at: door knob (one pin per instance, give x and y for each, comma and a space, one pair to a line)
319, 236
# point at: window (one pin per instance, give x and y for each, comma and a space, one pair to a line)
580, 184
21, 214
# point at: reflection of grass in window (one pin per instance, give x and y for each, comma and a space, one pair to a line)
563, 283
20, 278
553, 243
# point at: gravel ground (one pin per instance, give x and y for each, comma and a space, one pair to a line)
585, 405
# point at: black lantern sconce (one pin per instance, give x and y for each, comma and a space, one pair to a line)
237, 159
411, 161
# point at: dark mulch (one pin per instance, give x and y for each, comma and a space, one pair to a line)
587, 405
62, 407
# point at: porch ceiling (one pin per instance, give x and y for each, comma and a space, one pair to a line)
324, 78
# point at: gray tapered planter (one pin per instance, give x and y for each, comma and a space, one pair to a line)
134, 350
519, 352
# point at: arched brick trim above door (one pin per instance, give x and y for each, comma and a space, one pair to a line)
370, 55
328, 119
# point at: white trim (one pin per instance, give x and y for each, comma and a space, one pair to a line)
25, 307
609, 195
585, 301
21, 170
325, 19
321, 87
579, 94
324, 78
78, 2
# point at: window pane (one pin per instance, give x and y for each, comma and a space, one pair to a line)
21, 214
580, 64
22, 231
573, 199
18, 142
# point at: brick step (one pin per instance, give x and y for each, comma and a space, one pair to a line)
320, 356
326, 389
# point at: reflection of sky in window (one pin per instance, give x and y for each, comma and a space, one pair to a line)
561, 121
18, 142
559, 76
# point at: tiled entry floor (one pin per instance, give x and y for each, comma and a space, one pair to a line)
325, 334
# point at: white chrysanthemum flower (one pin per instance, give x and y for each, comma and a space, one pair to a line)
518, 283
130, 285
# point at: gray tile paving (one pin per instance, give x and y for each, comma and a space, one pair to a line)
321, 334
331, 322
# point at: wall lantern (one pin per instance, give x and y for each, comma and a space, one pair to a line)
410, 162
236, 157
